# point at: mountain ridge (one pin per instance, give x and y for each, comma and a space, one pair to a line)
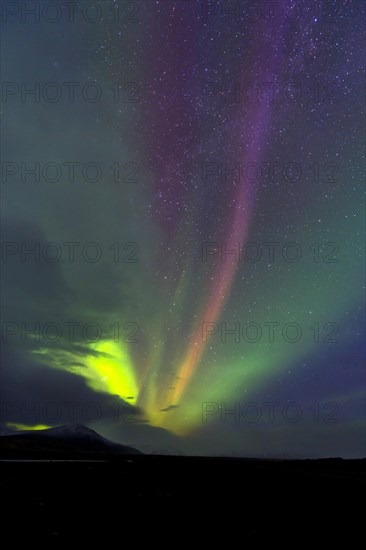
71, 440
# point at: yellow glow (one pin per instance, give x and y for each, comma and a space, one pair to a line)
16, 426
110, 370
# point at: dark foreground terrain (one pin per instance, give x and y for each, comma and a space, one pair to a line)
164, 499
70, 484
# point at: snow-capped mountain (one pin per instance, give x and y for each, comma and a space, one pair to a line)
70, 440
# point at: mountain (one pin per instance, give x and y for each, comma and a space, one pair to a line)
6, 431
64, 442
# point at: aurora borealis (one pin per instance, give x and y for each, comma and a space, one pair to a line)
206, 220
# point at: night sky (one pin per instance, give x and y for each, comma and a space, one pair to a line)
163, 137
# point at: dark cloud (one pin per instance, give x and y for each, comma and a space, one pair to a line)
170, 408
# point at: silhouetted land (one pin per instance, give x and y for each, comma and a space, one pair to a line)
103, 495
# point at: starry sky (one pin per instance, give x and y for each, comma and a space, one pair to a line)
206, 173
